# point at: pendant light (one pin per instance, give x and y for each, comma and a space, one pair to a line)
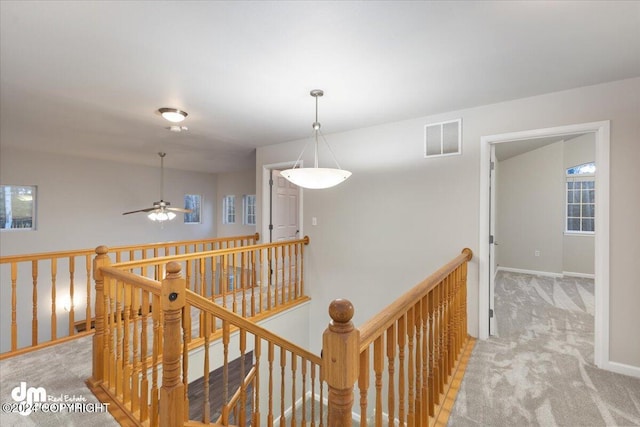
316, 177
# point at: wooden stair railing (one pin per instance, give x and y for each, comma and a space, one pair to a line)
61, 290
411, 350
143, 331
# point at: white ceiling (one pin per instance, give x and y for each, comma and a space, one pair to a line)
86, 78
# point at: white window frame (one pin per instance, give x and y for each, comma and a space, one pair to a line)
249, 209
33, 199
580, 177
229, 209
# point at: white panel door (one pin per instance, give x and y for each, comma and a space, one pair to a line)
285, 208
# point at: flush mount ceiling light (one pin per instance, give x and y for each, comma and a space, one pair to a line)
315, 177
173, 114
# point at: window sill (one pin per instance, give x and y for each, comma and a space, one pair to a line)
580, 233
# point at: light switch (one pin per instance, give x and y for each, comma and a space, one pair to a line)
314, 221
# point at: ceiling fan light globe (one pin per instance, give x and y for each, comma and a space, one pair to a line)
170, 215
316, 178
153, 216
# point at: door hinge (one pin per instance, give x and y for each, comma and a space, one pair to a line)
491, 312
271, 182
493, 165
491, 240
270, 226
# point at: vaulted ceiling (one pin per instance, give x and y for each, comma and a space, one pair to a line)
87, 78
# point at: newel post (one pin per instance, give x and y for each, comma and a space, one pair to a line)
340, 358
99, 357
172, 391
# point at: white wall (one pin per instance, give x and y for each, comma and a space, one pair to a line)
81, 201
530, 210
238, 184
401, 216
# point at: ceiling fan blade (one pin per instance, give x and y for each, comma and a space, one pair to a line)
140, 210
179, 210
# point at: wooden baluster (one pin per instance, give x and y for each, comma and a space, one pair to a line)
34, 319
425, 361
156, 313
87, 314
293, 390
296, 275
436, 345
144, 383
186, 317
100, 349
304, 392
207, 402
225, 279
275, 274
172, 392
445, 335
270, 359
234, 280
14, 303
340, 362
306, 242
216, 282
417, 312
402, 339
119, 331
253, 285
54, 318
72, 268
283, 364
391, 356
363, 385
378, 367
313, 398
257, 351
291, 280
410, 366
225, 367
442, 332
241, 420
186, 339
269, 273
203, 293
243, 283
321, 404
126, 366
431, 351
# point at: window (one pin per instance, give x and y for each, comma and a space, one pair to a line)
17, 207
229, 210
192, 202
581, 199
249, 209
443, 139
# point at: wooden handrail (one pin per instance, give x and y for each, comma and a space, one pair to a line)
212, 308
5, 259
390, 314
146, 284
130, 265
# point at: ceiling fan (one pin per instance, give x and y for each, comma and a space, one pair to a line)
160, 211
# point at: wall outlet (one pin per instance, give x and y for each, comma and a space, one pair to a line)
314, 221
536, 253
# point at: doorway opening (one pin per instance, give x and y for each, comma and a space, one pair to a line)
601, 259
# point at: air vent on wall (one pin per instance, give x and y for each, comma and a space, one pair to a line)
443, 139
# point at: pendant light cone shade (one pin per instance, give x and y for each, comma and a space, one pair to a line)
316, 177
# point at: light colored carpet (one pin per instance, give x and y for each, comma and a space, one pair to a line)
61, 370
538, 370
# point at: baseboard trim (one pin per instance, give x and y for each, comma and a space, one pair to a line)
582, 275
534, 272
621, 368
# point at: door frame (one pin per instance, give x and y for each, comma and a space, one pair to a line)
601, 130
266, 174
